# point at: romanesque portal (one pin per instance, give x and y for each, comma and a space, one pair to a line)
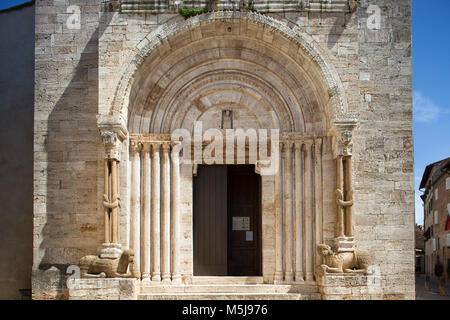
226, 158
219, 77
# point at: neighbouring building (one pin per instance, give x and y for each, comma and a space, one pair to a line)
436, 200
137, 111
420, 249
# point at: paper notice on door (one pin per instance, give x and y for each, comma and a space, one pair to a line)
241, 223
249, 236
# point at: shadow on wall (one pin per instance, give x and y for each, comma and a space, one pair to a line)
72, 227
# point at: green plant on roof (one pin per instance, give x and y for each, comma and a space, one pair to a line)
190, 12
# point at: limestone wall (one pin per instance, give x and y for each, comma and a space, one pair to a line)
67, 141
383, 147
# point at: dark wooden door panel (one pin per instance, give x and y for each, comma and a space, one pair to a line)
243, 221
210, 221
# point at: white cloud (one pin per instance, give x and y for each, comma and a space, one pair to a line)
425, 110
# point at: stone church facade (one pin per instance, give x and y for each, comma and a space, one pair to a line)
324, 86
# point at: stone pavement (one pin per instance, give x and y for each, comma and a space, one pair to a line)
433, 294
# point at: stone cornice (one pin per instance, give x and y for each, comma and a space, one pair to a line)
262, 6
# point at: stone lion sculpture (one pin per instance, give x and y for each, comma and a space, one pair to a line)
96, 267
343, 262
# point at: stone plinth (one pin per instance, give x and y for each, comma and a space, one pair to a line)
345, 286
345, 244
104, 289
110, 251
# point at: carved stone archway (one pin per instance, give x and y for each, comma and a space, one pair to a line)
273, 77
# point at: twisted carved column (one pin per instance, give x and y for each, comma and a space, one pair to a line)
111, 197
349, 197
342, 148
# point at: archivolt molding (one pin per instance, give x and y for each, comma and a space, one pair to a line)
157, 37
175, 102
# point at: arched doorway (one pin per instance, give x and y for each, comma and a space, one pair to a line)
228, 71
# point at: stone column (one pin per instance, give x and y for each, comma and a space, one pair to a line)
278, 277
155, 214
342, 150
111, 248
114, 207
107, 195
165, 214
287, 212
135, 207
298, 209
317, 197
339, 193
146, 203
175, 219
348, 197
308, 222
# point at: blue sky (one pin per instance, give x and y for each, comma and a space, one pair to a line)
10, 3
431, 85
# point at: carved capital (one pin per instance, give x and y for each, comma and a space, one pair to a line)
307, 146
113, 132
166, 148
135, 147
286, 147
112, 145
343, 138
177, 146
156, 147
146, 147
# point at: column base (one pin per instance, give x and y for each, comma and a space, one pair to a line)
344, 244
176, 279
146, 279
166, 278
289, 277
278, 278
156, 277
299, 277
110, 251
309, 277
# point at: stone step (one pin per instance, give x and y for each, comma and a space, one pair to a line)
203, 288
227, 280
230, 296
149, 288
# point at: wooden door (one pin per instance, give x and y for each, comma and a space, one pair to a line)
227, 224
210, 221
244, 240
